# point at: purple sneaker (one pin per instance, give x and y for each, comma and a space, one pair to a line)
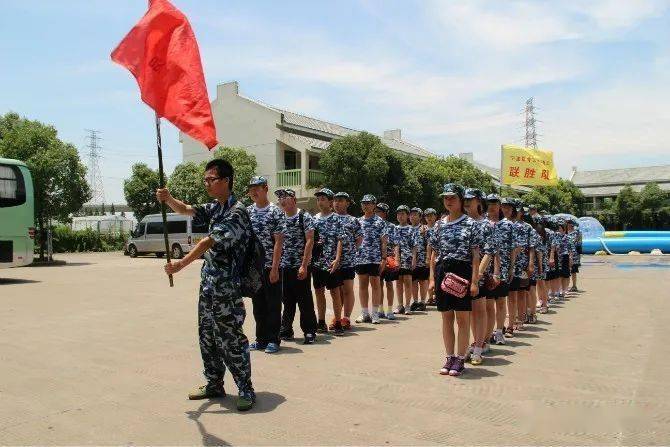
447, 365
458, 367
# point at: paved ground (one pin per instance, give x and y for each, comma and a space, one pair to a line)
101, 351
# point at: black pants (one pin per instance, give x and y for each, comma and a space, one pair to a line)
267, 312
296, 291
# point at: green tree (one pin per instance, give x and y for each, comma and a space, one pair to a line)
627, 207
564, 197
140, 190
432, 173
244, 165
357, 164
186, 183
652, 200
112, 210
59, 177
102, 209
401, 186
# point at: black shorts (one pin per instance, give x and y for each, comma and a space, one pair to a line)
499, 292
421, 274
565, 266
550, 274
445, 301
368, 269
533, 282
347, 273
323, 278
390, 275
514, 284
575, 268
405, 272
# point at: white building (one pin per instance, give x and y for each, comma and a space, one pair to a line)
287, 145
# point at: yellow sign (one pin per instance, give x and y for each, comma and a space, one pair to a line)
527, 166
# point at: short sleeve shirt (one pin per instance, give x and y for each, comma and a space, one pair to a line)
454, 240
373, 230
295, 238
267, 223
351, 228
406, 240
329, 233
390, 246
506, 240
421, 234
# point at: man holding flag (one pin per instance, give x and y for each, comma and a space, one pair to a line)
162, 54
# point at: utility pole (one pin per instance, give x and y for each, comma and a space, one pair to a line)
531, 132
94, 175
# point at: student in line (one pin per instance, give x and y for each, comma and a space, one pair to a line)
455, 257
421, 273
390, 273
575, 236
351, 228
430, 215
509, 209
370, 260
406, 240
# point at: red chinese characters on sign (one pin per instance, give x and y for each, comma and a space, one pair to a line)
545, 174
514, 171
530, 173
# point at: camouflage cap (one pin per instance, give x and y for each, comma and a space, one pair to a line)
325, 192
369, 198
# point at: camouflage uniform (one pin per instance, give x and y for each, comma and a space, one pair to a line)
574, 241
221, 311
374, 230
351, 229
540, 248
421, 235
524, 234
296, 291
506, 239
267, 223
330, 232
407, 239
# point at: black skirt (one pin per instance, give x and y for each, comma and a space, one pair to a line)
446, 301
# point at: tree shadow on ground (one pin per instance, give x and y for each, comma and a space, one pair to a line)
265, 402
4, 281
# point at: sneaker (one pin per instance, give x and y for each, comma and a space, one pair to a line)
390, 316
245, 400
499, 338
208, 391
543, 310
573, 289
457, 368
375, 318
422, 306
364, 318
331, 326
321, 327
476, 358
492, 339
346, 323
509, 332
381, 314
338, 329
286, 336
272, 348
257, 346
486, 348
447, 365
414, 306
309, 339
399, 310
469, 352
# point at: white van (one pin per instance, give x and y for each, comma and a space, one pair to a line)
148, 236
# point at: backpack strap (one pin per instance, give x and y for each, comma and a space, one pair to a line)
301, 222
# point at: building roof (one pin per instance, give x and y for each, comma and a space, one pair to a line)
621, 177
333, 130
608, 191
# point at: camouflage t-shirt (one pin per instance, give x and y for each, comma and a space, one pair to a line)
455, 240
406, 238
524, 233
329, 234
506, 239
421, 234
295, 238
574, 242
351, 228
230, 229
267, 223
390, 246
374, 230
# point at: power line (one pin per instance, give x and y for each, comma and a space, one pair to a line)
94, 175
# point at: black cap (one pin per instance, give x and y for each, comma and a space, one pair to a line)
325, 192
285, 192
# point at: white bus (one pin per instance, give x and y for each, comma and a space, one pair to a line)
148, 236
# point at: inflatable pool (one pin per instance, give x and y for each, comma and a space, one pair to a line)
624, 245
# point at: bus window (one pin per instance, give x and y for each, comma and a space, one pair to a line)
12, 187
155, 228
176, 226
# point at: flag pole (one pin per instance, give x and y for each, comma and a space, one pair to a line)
161, 184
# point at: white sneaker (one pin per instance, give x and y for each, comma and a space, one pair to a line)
375, 317
390, 316
363, 318
486, 348
500, 338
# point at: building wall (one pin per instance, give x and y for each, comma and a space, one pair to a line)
241, 123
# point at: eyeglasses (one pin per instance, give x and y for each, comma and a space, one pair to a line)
210, 180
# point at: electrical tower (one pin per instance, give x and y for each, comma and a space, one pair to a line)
94, 175
531, 132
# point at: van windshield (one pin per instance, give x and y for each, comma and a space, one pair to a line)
139, 229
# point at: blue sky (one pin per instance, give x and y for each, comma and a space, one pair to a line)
453, 75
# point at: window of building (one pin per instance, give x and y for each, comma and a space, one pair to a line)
291, 160
314, 162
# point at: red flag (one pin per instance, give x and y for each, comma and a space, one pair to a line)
162, 53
